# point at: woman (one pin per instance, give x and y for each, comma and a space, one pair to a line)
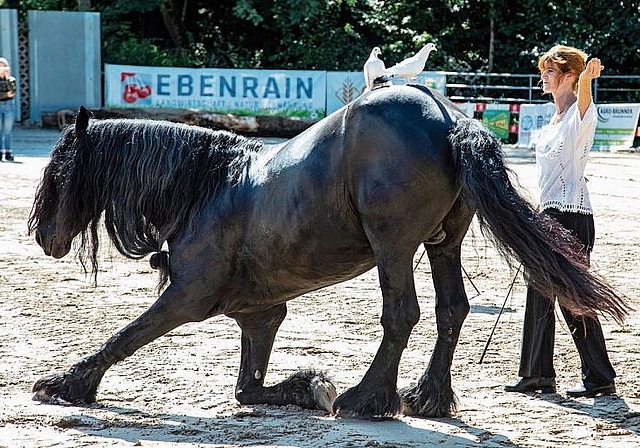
7, 92
562, 150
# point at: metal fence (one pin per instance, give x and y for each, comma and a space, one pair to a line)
525, 88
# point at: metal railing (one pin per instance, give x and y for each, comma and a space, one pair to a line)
524, 88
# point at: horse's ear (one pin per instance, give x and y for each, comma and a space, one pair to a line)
82, 121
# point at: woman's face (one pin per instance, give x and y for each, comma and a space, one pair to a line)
553, 78
4, 69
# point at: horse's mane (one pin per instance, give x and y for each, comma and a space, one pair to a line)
148, 179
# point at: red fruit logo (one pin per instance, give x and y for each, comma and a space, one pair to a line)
134, 87
129, 94
144, 91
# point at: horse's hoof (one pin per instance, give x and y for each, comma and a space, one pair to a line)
65, 389
324, 392
367, 403
311, 389
425, 403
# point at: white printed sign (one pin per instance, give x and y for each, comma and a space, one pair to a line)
291, 93
433, 80
616, 127
531, 119
344, 87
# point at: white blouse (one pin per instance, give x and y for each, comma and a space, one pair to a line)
562, 150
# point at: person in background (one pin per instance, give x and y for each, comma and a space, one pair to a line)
562, 151
7, 93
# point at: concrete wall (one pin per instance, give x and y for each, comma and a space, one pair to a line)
9, 49
64, 61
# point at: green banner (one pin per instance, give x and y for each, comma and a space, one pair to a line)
498, 122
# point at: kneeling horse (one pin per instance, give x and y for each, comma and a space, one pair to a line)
247, 226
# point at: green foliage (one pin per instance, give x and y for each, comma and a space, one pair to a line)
339, 34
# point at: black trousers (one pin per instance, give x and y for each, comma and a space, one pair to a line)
536, 358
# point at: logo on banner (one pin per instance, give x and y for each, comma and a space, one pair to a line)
607, 111
601, 118
498, 122
136, 88
347, 92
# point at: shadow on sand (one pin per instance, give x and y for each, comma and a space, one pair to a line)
280, 427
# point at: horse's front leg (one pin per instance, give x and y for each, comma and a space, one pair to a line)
376, 395
79, 384
306, 388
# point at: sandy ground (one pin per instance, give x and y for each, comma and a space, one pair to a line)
178, 391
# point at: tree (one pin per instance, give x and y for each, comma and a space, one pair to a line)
483, 35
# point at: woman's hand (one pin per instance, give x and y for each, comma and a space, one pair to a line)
592, 71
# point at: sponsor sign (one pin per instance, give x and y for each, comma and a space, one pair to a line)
615, 130
531, 119
290, 93
344, 87
497, 117
616, 127
433, 80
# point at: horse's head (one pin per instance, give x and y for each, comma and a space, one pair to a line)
58, 214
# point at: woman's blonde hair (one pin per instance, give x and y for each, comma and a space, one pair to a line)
567, 59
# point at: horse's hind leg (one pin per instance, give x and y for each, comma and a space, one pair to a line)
306, 388
433, 395
80, 382
376, 395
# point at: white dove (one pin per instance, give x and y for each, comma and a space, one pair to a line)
373, 68
411, 67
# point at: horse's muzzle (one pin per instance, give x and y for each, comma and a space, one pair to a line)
53, 247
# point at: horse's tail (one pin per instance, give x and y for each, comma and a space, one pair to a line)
549, 253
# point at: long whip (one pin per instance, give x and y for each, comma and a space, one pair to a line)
486, 347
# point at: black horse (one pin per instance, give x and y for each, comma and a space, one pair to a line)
251, 226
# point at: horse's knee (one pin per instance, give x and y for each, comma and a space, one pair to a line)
244, 396
402, 318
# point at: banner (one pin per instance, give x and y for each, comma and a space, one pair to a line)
615, 130
289, 93
433, 80
532, 118
497, 118
616, 127
344, 87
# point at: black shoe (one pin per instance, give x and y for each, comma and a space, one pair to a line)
533, 384
590, 390
8, 157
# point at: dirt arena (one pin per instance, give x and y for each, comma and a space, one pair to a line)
178, 391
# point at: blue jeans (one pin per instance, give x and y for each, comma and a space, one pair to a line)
6, 124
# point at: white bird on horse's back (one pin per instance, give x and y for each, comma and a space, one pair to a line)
411, 67
373, 68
